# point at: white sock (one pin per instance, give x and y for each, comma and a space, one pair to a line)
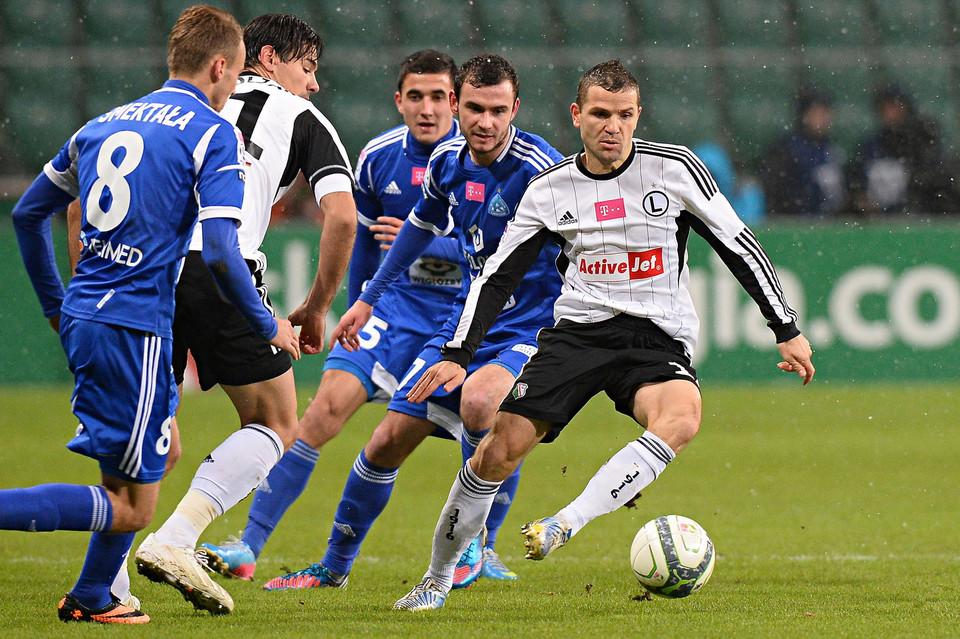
237, 466
120, 588
618, 481
231, 472
191, 517
461, 520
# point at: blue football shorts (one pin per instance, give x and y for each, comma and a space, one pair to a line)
389, 343
125, 397
442, 408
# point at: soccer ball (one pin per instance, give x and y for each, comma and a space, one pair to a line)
672, 556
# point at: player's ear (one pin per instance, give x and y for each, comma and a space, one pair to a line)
575, 114
454, 103
516, 107
396, 99
218, 68
268, 57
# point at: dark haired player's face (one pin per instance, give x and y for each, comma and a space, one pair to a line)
485, 115
299, 77
424, 103
606, 121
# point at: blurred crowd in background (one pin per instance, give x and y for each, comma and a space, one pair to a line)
778, 97
902, 168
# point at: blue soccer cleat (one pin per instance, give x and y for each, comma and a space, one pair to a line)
470, 564
426, 595
493, 568
313, 576
232, 558
543, 536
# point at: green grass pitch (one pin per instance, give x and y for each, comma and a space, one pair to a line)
833, 510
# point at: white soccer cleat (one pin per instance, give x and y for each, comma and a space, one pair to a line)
178, 567
426, 595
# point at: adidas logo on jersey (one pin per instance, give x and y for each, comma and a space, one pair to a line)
566, 218
392, 189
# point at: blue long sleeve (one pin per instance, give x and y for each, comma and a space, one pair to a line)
409, 244
363, 262
221, 254
31, 220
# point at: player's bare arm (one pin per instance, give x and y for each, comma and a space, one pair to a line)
339, 230
445, 373
347, 331
385, 230
797, 355
74, 222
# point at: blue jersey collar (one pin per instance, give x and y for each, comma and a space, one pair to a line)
467, 162
416, 148
186, 86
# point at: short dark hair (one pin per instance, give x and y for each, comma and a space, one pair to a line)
290, 37
200, 33
427, 61
610, 75
484, 70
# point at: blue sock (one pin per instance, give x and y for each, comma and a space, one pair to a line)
470, 441
286, 481
501, 504
55, 507
364, 498
105, 556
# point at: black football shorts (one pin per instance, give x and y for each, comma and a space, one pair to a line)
576, 361
223, 345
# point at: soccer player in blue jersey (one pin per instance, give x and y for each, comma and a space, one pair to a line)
145, 173
471, 187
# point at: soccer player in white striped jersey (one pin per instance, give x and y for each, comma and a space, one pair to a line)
284, 135
621, 212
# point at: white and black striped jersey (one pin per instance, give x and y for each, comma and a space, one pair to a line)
623, 238
283, 134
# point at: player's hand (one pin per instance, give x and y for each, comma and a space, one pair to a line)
286, 338
176, 449
797, 354
385, 230
55, 323
350, 324
444, 373
313, 326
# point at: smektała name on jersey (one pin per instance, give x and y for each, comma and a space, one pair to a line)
166, 114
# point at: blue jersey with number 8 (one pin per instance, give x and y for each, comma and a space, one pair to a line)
139, 209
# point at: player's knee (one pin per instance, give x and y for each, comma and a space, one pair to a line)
387, 450
322, 421
678, 431
495, 459
478, 409
390, 444
128, 519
